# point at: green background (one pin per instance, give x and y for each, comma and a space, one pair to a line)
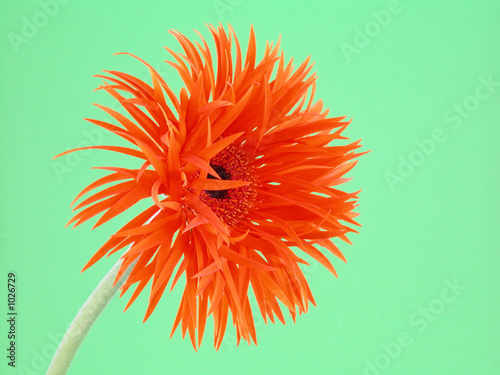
430, 220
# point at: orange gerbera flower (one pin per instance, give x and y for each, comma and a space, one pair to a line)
240, 172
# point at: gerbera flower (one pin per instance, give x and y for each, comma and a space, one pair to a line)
240, 173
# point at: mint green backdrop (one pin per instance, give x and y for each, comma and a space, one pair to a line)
421, 81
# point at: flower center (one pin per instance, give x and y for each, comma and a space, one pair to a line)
232, 204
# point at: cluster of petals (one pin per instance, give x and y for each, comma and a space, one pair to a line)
241, 169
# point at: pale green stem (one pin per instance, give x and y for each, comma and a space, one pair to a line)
85, 319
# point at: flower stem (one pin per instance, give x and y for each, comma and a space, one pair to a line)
85, 319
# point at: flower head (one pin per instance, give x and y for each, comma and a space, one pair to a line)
240, 173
